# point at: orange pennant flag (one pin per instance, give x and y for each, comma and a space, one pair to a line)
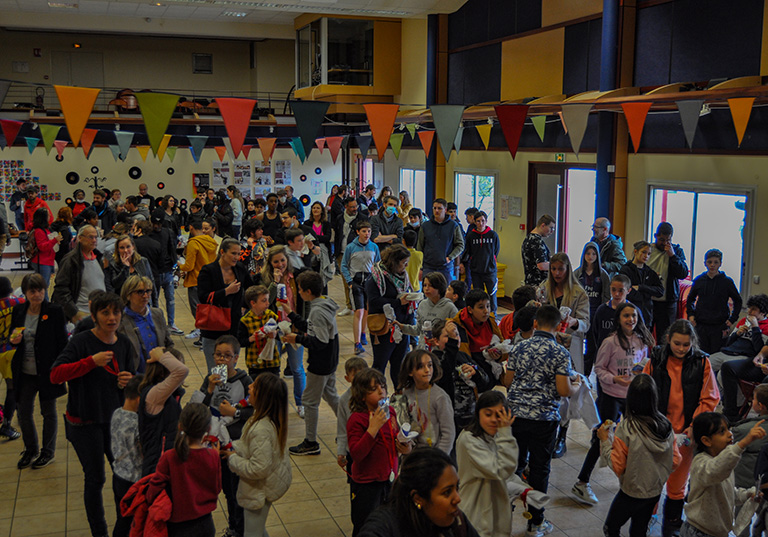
143, 151
381, 118
76, 105
87, 139
426, 137
163, 146
741, 109
635, 113
320, 144
236, 114
334, 145
247, 151
221, 151
267, 146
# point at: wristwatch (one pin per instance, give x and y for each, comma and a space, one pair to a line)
237, 414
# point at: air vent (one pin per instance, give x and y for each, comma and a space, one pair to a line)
202, 64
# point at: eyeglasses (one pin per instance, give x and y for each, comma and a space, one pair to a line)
226, 356
143, 291
597, 227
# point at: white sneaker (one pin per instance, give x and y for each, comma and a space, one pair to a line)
194, 334
345, 312
583, 493
545, 528
300, 411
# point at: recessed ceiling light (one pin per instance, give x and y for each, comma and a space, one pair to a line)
234, 14
66, 5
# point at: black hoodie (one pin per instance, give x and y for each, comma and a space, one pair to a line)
712, 304
481, 250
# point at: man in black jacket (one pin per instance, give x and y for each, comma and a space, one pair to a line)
164, 237
612, 256
107, 215
668, 260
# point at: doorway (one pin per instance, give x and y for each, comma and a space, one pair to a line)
568, 193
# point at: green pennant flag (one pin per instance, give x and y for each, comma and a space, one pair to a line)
447, 119
115, 151
171, 152
411, 128
539, 123
124, 141
49, 133
298, 148
156, 109
459, 138
32, 143
196, 146
396, 141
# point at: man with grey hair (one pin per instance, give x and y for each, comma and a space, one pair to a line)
293, 201
80, 273
611, 248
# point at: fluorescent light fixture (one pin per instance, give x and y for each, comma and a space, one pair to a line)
234, 14
303, 8
65, 5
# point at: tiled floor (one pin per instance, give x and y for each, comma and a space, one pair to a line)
49, 501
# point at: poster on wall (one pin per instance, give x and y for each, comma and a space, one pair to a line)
13, 170
262, 174
262, 191
242, 174
282, 172
245, 192
317, 187
201, 180
221, 177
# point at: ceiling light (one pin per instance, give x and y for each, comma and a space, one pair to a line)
234, 14
66, 5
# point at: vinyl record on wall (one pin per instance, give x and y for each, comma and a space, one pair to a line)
94, 169
304, 200
302, 178
73, 178
69, 201
59, 158
134, 172
160, 185
183, 203
170, 171
318, 171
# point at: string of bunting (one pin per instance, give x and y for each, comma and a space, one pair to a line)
157, 109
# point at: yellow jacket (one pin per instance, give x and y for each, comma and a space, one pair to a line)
201, 250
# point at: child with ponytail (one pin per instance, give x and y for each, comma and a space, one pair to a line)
191, 475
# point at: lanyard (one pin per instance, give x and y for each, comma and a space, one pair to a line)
112, 367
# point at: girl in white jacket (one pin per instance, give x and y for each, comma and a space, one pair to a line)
260, 457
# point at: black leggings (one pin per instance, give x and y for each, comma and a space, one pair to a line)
625, 507
199, 527
609, 408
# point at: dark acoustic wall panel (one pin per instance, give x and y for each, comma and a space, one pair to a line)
474, 76
478, 21
503, 18
696, 40
581, 57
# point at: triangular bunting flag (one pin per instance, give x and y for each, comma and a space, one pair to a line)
309, 117
512, 118
457, 140
267, 146
635, 113
32, 143
484, 130
246, 151
447, 118
87, 140
115, 151
539, 123
4, 85
143, 151
574, 118
196, 146
11, 129
171, 152
320, 143
124, 140
163, 147
334, 144
396, 141
345, 143
221, 151
689, 117
562, 122
156, 109
60, 145
298, 148
49, 133
426, 137
236, 114
364, 143
411, 128
381, 118
741, 109
76, 105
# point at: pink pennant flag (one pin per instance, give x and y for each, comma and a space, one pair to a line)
334, 145
320, 144
86, 140
60, 145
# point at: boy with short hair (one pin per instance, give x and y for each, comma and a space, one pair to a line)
416, 260
482, 249
747, 469
321, 338
602, 324
476, 328
124, 433
520, 298
415, 219
538, 375
708, 303
301, 261
456, 292
356, 266
524, 320
253, 338
351, 367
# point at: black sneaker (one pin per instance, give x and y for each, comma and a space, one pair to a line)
198, 343
287, 372
305, 448
42, 461
26, 459
9, 432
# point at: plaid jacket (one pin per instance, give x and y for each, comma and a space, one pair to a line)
249, 323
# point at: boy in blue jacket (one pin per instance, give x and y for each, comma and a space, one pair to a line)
356, 265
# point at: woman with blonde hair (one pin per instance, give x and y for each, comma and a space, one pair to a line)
405, 206
124, 263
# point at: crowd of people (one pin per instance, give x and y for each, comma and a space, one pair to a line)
476, 409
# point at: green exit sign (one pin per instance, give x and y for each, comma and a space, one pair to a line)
559, 157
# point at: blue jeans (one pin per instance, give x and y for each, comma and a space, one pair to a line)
209, 345
19, 220
165, 282
296, 363
446, 270
45, 271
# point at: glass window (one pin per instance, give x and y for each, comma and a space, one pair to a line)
350, 52
414, 182
308, 56
474, 190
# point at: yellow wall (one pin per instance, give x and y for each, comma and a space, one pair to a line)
414, 62
275, 71
556, 11
532, 66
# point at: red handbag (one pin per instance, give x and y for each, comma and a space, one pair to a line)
213, 318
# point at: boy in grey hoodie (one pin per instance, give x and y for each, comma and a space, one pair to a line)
434, 306
321, 338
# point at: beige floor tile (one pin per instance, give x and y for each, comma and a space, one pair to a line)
7, 507
330, 487
338, 506
324, 470
43, 487
345, 523
39, 524
49, 504
565, 518
296, 512
316, 528
298, 492
9, 475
